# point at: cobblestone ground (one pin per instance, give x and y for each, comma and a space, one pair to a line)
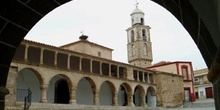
207, 104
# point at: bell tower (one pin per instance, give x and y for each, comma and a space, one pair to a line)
139, 48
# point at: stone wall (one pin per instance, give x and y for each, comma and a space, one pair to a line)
170, 92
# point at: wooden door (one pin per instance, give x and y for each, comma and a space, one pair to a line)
209, 93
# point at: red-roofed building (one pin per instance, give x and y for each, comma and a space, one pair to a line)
183, 68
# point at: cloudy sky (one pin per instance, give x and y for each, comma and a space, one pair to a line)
105, 22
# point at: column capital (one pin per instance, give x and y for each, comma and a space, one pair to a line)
4, 91
44, 86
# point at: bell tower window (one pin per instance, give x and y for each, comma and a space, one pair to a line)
142, 21
144, 35
132, 36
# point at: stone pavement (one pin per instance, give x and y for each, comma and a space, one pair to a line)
206, 104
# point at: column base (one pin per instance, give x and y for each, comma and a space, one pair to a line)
72, 102
43, 101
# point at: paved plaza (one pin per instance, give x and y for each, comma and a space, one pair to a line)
207, 104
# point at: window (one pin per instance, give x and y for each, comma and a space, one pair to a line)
144, 35
185, 72
99, 54
196, 79
142, 21
132, 50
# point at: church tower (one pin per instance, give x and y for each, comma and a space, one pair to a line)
139, 47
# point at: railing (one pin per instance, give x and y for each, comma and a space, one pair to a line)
27, 100
24, 95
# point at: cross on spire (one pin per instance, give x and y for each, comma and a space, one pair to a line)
136, 4
82, 32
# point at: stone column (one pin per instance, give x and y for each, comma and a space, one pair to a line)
68, 61
41, 56
43, 89
130, 99
143, 101
55, 59
118, 71
138, 79
109, 69
8, 93
115, 98
91, 66
72, 95
148, 77
143, 79
96, 98
3, 92
26, 52
100, 68
80, 64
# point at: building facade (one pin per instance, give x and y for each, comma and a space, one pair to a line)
179, 68
203, 88
82, 75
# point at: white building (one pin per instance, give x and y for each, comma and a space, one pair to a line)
203, 88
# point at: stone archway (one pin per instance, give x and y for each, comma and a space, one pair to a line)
62, 93
138, 96
54, 92
85, 91
28, 78
151, 97
107, 93
125, 95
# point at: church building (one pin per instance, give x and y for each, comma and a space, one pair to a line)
82, 75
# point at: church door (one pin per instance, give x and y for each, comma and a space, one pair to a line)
62, 94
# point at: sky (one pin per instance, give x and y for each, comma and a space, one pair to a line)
105, 22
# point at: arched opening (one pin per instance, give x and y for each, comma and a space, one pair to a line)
58, 90
28, 79
142, 21
137, 97
132, 35
151, 97
106, 93
123, 92
62, 94
122, 96
144, 37
85, 91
